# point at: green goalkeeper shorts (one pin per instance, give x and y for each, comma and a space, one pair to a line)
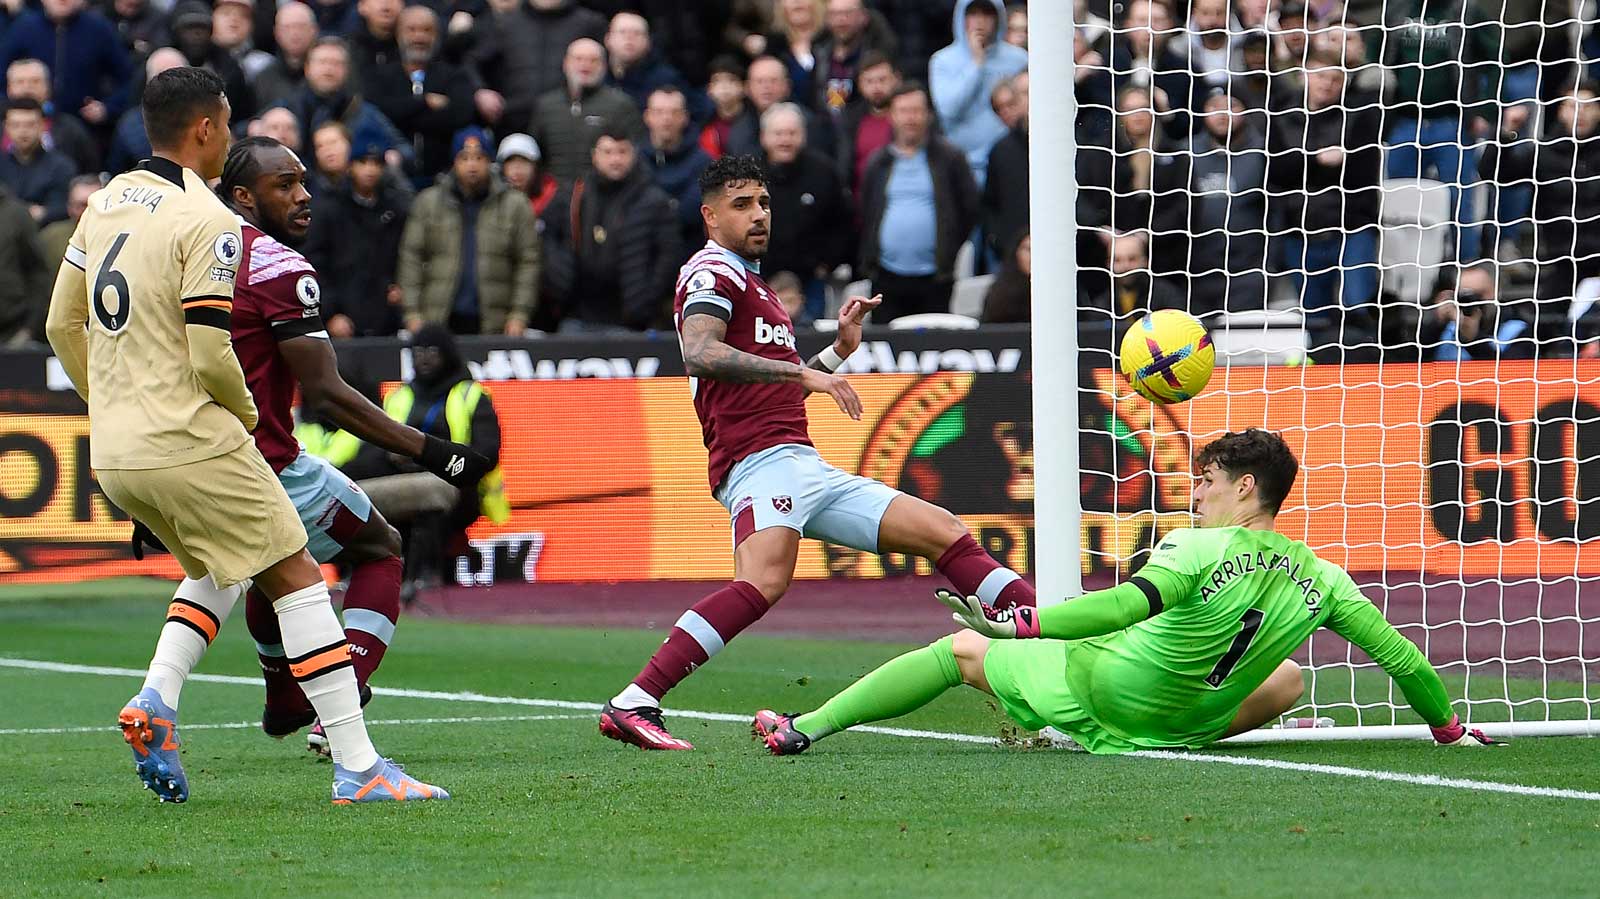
1029, 677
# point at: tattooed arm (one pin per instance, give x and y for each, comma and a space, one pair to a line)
706, 355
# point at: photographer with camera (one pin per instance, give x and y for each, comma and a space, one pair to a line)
1466, 321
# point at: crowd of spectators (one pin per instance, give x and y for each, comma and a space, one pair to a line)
1249, 148
507, 166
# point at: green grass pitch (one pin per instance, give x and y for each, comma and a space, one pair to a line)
548, 807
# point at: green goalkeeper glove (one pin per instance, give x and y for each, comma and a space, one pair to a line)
1001, 624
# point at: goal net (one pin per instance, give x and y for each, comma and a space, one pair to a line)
1385, 214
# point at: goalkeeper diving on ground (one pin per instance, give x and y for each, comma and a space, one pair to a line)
1194, 648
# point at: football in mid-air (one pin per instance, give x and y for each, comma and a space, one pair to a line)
1167, 356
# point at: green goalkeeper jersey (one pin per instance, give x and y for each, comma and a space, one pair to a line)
1236, 603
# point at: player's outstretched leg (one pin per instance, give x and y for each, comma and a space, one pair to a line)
763, 566
777, 731
915, 527
898, 687
149, 721
634, 715
319, 659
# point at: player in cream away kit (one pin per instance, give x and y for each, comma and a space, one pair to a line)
1191, 650
749, 387
140, 319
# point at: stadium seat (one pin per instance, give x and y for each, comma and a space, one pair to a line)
1265, 318
836, 296
1269, 337
967, 298
966, 261
1416, 226
948, 321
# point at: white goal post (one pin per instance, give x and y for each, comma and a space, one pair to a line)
1455, 474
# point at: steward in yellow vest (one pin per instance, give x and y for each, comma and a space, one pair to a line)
443, 400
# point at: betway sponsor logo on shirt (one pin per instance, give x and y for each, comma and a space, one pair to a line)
775, 333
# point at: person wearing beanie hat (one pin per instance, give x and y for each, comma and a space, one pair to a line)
191, 35
369, 143
427, 97
472, 137
470, 255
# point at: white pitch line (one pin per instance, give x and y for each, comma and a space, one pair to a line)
251, 725
1427, 780
1421, 780
67, 668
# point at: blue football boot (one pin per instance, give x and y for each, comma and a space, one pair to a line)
386, 782
151, 729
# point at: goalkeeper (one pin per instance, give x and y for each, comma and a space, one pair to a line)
1191, 650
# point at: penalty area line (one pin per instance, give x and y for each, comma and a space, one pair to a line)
1423, 780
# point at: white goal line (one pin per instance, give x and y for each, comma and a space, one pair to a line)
1425, 780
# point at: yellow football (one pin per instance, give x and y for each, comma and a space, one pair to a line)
1167, 356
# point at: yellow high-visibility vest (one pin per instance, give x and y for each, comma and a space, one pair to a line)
338, 447
459, 405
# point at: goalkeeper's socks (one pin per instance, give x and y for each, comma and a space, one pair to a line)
319, 659
282, 692
975, 573
699, 634
371, 608
897, 687
196, 614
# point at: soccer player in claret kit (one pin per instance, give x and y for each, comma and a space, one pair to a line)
749, 387
281, 343
148, 348
1192, 649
